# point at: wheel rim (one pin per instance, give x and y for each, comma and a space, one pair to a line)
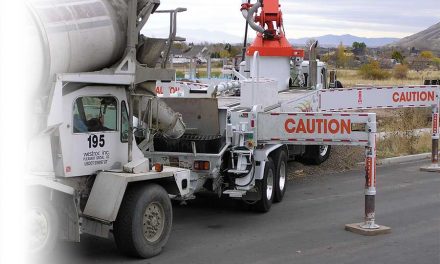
323, 150
269, 185
39, 229
282, 179
153, 221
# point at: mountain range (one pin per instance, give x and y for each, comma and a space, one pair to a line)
347, 40
197, 36
428, 39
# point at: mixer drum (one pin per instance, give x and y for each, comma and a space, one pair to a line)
73, 36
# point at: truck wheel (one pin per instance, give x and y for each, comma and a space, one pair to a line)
315, 155
281, 175
144, 221
339, 84
266, 187
43, 227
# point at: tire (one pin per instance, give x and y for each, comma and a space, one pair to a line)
280, 183
339, 84
316, 155
266, 187
143, 208
44, 227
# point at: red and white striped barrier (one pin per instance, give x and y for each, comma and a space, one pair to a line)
377, 98
355, 129
368, 98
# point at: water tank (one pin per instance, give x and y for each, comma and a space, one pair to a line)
66, 36
275, 68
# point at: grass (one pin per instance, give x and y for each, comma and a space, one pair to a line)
350, 78
402, 137
394, 145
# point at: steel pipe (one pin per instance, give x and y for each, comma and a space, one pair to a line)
249, 16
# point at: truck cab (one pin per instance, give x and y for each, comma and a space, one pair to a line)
95, 133
321, 74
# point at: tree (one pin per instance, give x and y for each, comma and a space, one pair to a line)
373, 71
359, 48
215, 55
326, 58
235, 51
397, 56
228, 47
341, 57
224, 54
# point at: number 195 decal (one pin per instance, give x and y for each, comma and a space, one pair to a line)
95, 141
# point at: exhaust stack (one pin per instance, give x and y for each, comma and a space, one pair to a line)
312, 80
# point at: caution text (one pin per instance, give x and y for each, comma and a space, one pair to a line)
403, 97
318, 126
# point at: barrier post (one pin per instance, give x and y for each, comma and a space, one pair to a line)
435, 135
370, 186
434, 167
369, 226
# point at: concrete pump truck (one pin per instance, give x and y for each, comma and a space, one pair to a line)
108, 154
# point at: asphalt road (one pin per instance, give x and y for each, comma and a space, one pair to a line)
307, 227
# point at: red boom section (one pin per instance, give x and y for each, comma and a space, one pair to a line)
274, 47
273, 42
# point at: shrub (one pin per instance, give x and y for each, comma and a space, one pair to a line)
398, 56
373, 71
180, 74
426, 54
400, 71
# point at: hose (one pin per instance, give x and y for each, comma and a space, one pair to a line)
249, 16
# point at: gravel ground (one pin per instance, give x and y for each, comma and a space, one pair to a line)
342, 158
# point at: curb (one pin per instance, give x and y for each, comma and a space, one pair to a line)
402, 159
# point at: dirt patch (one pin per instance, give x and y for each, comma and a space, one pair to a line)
342, 158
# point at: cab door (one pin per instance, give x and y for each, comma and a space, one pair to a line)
96, 131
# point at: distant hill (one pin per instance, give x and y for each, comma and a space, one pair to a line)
217, 36
347, 40
428, 39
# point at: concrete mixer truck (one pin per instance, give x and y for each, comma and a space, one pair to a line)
91, 69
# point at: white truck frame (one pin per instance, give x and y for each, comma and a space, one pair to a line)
310, 118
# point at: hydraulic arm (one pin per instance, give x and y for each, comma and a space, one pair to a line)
266, 18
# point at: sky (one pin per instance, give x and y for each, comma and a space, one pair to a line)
221, 19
